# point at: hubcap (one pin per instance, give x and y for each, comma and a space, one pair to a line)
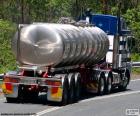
125, 81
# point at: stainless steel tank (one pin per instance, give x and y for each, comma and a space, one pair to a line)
59, 45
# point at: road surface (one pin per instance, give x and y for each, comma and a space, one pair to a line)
114, 104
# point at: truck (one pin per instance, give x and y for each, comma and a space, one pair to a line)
68, 60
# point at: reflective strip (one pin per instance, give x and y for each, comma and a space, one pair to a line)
7, 88
88, 86
94, 85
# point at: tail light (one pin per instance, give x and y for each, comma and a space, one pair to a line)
53, 83
10, 79
6, 79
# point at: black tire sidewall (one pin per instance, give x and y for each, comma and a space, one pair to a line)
108, 90
77, 89
65, 92
101, 92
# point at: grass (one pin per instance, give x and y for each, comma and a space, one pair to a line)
136, 71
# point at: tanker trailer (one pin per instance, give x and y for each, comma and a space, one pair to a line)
60, 45
61, 60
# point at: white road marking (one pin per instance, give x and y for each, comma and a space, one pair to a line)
111, 96
90, 99
47, 111
2, 99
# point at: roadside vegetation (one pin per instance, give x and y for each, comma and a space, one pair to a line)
13, 12
7, 60
136, 57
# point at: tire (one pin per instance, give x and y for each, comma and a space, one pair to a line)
21, 94
35, 94
25, 95
101, 86
11, 100
71, 91
77, 88
31, 96
125, 82
108, 86
65, 92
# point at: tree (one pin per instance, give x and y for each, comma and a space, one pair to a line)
7, 60
132, 17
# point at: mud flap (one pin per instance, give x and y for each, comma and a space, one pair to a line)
10, 90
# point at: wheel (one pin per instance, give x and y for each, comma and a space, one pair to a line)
65, 91
101, 86
77, 86
24, 95
11, 100
35, 95
108, 87
71, 93
125, 81
31, 96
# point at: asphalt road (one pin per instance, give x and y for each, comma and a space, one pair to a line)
114, 104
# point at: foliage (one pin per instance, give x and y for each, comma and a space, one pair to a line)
7, 61
135, 57
132, 17
26, 11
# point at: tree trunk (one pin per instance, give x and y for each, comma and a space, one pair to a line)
105, 6
22, 11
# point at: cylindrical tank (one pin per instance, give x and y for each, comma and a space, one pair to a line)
60, 45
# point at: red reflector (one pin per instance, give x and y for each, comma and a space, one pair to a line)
6, 79
57, 83
15, 80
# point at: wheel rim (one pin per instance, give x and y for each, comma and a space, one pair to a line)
125, 82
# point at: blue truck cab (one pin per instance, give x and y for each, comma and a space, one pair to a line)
108, 23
